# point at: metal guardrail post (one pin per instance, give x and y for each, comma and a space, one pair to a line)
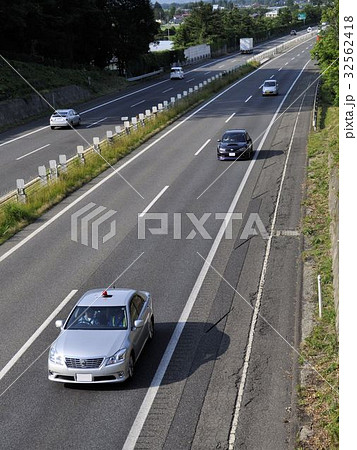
127, 126
20, 186
96, 144
80, 153
63, 163
42, 173
134, 122
53, 169
142, 119
109, 137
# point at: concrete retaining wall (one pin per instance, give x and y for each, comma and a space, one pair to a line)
334, 231
20, 109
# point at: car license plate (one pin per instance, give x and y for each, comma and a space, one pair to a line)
232, 154
84, 377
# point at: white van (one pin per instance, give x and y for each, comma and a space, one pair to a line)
177, 73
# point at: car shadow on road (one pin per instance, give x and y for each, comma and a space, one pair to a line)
263, 154
199, 344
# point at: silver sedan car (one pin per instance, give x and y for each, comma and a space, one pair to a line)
102, 337
65, 118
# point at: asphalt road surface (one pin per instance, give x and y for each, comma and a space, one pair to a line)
25, 148
222, 367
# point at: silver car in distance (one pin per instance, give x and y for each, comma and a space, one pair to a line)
102, 337
65, 118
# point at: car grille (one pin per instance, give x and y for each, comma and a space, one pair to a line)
82, 363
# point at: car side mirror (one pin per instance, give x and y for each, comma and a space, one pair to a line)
59, 323
138, 323
219, 140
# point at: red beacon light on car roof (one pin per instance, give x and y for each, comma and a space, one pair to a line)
105, 294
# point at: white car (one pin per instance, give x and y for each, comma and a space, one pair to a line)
102, 338
270, 87
65, 118
309, 30
177, 73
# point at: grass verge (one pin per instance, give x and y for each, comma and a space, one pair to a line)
318, 401
15, 216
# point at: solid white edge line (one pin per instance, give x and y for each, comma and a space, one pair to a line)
36, 334
23, 135
230, 117
33, 151
154, 201
234, 426
129, 161
149, 398
138, 103
203, 146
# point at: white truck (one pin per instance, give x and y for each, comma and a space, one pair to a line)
246, 45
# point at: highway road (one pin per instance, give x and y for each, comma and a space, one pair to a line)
23, 149
222, 367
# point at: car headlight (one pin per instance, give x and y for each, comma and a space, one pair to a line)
117, 358
56, 357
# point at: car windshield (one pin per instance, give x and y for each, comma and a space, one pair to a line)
98, 318
60, 113
175, 70
269, 84
234, 137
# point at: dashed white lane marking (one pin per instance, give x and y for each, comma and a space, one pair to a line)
33, 151
202, 147
272, 76
191, 79
36, 334
167, 90
248, 99
153, 202
138, 103
95, 123
24, 135
229, 118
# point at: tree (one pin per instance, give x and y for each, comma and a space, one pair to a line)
134, 27
159, 13
326, 52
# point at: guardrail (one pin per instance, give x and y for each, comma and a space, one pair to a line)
47, 175
316, 106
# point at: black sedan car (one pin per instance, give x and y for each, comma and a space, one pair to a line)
235, 144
